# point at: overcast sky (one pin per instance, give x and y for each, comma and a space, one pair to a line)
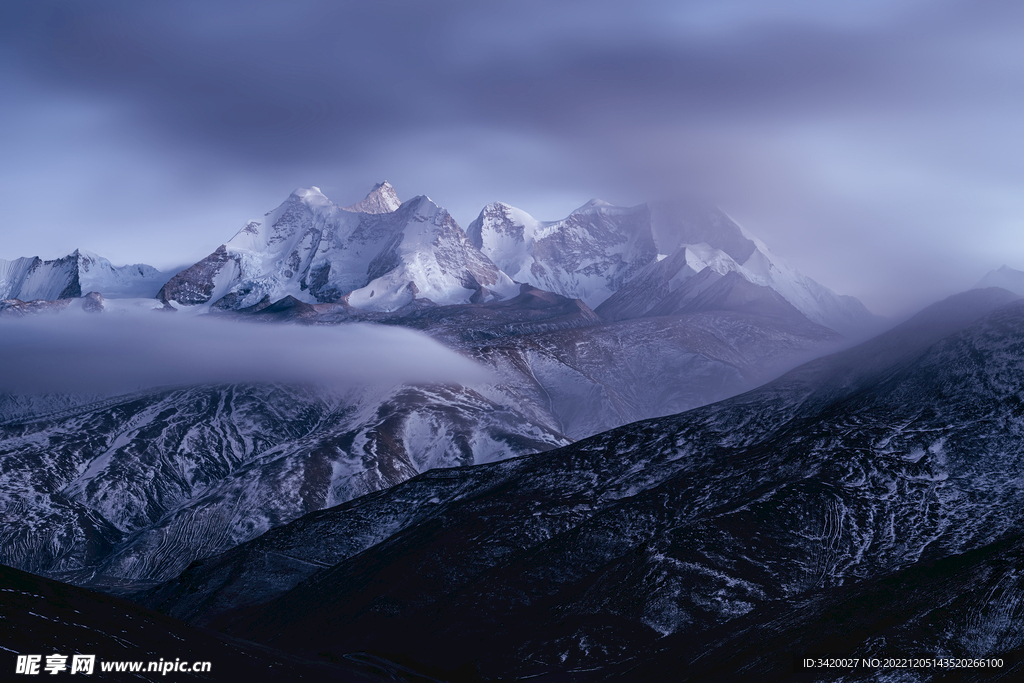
876, 146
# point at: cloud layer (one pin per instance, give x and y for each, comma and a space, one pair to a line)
875, 145
96, 354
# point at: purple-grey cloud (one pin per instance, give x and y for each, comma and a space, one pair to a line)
862, 142
82, 353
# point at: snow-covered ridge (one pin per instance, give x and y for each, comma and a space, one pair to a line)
588, 255
382, 199
78, 273
603, 254
382, 254
372, 255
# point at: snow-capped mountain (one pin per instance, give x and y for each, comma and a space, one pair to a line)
589, 255
1005, 277
609, 257
651, 539
374, 256
463, 528
140, 485
712, 239
78, 273
380, 255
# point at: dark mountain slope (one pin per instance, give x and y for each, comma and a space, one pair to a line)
593, 379
853, 467
965, 606
134, 489
43, 617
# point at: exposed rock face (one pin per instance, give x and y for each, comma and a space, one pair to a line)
195, 285
16, 308
672, 287
589, 380
556, 360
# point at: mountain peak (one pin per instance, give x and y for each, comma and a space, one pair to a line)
1004, 277
592, 204
311, 197
32, 278
303, 192
381, 199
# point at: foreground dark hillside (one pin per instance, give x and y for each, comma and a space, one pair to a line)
965, 605
43, 617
